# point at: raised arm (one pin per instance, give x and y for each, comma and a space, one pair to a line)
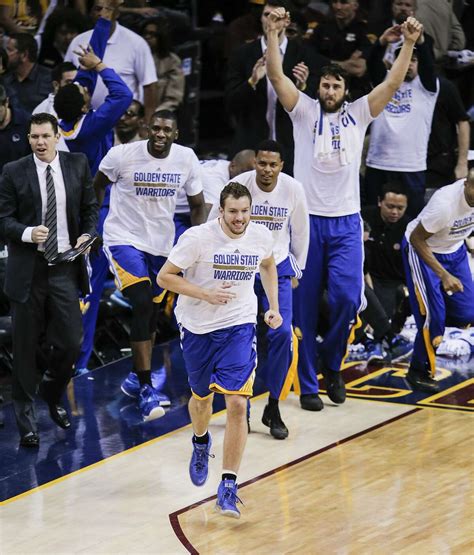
380, 96
284, 87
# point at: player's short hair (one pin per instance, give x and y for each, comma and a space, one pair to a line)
68, 102
165, 114
58, 71
286, 4
43, 117
334, 70
269, 145
394, 186
234, 190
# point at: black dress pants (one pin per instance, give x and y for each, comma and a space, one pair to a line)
50, 316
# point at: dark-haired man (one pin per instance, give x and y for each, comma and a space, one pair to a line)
86, 130
279, 203
216, 311
128, 126
14, 125
47, 206
329, 135
250, 97
63, 74
387, 222
146, 177
26, 81
438, 274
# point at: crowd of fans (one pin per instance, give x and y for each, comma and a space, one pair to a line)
45, 48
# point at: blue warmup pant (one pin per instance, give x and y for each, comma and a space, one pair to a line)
335, 262
182, 222
432, 308
99, 271
278, 369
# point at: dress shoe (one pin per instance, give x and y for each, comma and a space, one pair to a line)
59, 416
335, 386
311, 401
421, 380
31, 439
272, 418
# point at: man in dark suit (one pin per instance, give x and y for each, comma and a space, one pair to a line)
47, 206
250, 98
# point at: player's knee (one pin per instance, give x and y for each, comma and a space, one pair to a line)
141, 299
236, 406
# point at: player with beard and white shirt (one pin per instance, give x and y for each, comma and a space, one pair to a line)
279, 203
139, 233
217, 313
329, 134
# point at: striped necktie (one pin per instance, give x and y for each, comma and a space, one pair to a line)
51, 243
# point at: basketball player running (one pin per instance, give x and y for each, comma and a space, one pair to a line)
216, 312
279, 203
139, 232
329, 135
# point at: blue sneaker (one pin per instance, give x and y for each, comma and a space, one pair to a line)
227, 499
400, 348
80, 372
131, 386
199, 464
149, 404
374, 351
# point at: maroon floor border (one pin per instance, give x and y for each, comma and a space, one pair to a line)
174, 520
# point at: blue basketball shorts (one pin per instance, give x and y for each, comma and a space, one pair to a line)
221, 361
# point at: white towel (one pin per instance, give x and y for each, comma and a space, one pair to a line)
322, 136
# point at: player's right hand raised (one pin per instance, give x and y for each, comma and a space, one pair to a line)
220, 295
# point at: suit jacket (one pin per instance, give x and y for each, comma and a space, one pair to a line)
20, 207
249, 107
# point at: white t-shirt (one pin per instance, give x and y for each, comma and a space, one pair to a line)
448, 216
143, 197
215, 175
209, 257
399, 135
283, 211
332, 189
128, 54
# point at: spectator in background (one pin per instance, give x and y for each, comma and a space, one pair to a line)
63, 74
399, 136
387, 223
61, 27
20, 16
343, 39
449, 140
297, 27
14, 126
129, 55
128, 126
26, 81
246, 28
442, 25
250, 97
171, 80
3, 61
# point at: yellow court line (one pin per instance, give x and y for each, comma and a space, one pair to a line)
103, 461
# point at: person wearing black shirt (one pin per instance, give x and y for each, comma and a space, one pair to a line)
343, 39
384, 263
449, 139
